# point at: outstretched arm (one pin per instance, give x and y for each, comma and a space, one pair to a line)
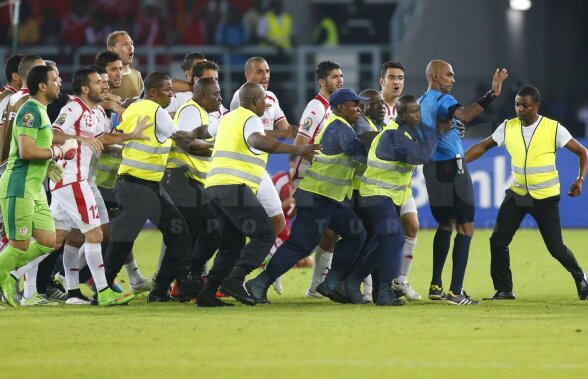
270, 145
577, 148
479, 149
470, 112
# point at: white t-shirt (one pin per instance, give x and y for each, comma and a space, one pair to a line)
562, 138
272, 114
77, 118
189, 118
253, 125
391, 113
214, 119
313, 119
164, 125
177, 100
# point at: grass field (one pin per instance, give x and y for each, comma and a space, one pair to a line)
543, 334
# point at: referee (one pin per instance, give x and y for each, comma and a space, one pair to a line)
529, 139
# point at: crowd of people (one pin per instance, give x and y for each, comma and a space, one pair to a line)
127, 149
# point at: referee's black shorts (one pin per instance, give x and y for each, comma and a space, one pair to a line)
451, 195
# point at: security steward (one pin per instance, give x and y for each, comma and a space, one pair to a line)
236, 169
385, 187
141, 196
322, 201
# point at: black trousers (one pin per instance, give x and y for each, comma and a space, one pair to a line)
189, 197
141, 200
512, 211
239, 215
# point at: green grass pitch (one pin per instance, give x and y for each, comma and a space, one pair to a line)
543, 334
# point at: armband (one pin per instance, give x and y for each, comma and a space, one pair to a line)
485, 100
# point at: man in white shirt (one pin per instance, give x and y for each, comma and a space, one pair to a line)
535, 188
257, 71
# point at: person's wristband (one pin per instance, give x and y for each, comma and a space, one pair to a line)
485, 100
580, 178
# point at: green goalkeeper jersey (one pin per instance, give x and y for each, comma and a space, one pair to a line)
24, 178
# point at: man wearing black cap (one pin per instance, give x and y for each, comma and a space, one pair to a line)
322, 201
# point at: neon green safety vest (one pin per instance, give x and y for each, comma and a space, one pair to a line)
232, 160
533, 168
197, 165
279, 30
330, 175
385, 178
107, 168
144, 159
361, 167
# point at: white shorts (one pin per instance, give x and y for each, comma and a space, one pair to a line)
74, 206
102, 211
408, 207
268, 196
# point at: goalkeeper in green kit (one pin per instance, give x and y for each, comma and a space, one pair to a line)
22, 196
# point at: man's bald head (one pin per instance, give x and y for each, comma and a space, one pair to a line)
202, 85
369, 93
440, 76
251, 62
252, 97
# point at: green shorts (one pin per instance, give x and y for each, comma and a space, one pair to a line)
21, 216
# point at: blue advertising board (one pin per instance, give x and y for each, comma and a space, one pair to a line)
491, 175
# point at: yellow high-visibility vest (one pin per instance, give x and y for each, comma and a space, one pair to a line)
232, 161
144, 159
197, 165
330, 175
533, 168
386, 178
279, 30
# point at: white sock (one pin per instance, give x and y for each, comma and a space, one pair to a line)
96, 264
71, 266
407, 253
30, 283
23, 270
322, 265
82, 257
367, 285
134, 274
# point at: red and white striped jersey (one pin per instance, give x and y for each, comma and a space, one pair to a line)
390, 113
104, 120
313, 119
76, 118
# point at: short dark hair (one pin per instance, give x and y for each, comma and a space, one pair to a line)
403, 101
36, 76
189, 59
324, 68
27, 62
82, 78
199, 68
99, 69
390, 64
155, 80
103, 58
532, 92
11, 66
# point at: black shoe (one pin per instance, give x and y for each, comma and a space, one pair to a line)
501, 295
159, 297
190, 289
326, 290
351, 292
386, 296
211, 302
257, 293
582, 287
235, 288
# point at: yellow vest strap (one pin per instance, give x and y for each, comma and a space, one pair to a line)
142, 165
239, 157
533, 170
383, 184
191, 170
234, 172
148, 149
337, 182
341, 161
389, 166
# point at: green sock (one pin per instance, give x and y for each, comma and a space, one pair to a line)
35, 250
9, 261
